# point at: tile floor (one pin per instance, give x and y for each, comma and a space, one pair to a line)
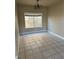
41, 46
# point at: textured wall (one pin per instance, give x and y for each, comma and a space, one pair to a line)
56, 18
22, 9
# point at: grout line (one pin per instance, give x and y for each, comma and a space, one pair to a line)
39, 48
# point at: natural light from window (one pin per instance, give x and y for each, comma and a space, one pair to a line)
33, 21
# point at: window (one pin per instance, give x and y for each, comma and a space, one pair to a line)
33, 21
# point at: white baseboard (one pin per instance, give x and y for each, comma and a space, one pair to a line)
55, 34
25, 33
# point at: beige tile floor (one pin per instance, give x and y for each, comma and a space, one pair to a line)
41, 46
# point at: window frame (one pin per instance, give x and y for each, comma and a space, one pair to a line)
33, 27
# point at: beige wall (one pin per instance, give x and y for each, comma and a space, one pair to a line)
56, 18
17, 36
55, 14
24, 8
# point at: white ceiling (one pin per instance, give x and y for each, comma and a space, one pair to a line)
41, 2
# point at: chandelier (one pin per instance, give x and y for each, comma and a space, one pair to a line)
37, 6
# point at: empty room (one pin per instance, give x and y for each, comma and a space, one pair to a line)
39, 29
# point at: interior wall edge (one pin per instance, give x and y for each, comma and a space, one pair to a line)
17, 34
52, 33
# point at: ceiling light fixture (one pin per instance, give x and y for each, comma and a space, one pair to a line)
37, 6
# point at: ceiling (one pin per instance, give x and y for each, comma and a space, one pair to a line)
41, 2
